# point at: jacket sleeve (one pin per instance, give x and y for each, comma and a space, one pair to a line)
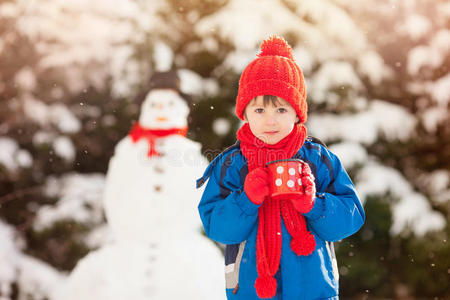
337, 211
228, 216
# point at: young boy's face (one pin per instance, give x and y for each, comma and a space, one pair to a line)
270, 123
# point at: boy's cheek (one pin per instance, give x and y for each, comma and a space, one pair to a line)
245, 116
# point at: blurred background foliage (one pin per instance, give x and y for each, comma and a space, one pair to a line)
68, 95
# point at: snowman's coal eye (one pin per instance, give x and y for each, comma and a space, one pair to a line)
170, 103
153, 104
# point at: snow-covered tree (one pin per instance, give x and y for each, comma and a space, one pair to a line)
72, 75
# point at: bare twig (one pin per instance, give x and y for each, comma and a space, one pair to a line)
19, 194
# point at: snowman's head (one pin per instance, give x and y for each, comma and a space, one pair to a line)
163, 109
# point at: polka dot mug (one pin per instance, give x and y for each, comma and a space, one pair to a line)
285, 178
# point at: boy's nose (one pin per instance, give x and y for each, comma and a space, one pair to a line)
271, 119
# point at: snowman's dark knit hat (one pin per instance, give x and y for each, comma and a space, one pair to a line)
167, 80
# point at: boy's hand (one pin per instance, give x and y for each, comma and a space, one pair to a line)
305, 202
256, 185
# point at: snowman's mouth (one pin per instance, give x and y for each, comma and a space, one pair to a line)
161, 119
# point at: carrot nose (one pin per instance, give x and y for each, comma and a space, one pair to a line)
161, 119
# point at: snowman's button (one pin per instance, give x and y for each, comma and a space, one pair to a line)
158, 169
278, 182
290, 183
299, 181
280, 169
291, 171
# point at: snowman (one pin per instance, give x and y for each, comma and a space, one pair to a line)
157, 249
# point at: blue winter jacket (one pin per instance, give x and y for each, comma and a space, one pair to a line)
229, 217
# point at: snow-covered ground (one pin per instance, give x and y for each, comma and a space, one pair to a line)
332, 50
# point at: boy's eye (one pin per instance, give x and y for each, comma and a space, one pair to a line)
259, 110
282, 110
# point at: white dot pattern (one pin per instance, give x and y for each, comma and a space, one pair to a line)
280, 170
291, 171
278, 182
299, 181
290, 183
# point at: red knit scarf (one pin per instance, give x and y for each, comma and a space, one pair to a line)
138, 132
268, 241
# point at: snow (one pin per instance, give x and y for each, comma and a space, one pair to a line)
441, 41
33, 277
191, 83
332, 27
432, 117
194, 84
163, 57
234, 23
393, 121
334, 23
37, 279
25, 79
99, 236
36, 110
12, 157
55, 114
332, 75
304, 58
437, 183
415, 26
432, 55
444, 8
42, 137
440, 90
8, 256
24, 159
210, 44
63, 118
371, 64
439, 180
349, 153
221, 126
79, 200
59, 29
239, 59
411, 210
64, 148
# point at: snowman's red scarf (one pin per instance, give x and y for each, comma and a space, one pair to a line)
138, 132
268, 241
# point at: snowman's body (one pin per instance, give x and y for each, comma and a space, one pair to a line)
150, 203
162, 198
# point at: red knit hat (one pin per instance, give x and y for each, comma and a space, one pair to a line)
275, 73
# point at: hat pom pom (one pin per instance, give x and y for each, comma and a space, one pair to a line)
266, 286
276, 45
304, 244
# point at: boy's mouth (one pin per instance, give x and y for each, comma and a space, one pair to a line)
270, 132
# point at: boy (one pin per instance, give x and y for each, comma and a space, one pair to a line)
277, 249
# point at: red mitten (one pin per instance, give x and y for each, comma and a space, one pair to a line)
256, 185
305, 202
